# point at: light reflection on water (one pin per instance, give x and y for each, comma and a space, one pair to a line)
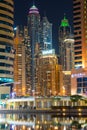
41, 122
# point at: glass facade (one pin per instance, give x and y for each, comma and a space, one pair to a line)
33, 29
46, 34
82, 85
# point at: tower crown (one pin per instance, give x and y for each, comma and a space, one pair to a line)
33, 10
64, 22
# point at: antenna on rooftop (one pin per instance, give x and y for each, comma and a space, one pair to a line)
33, 2
44, 13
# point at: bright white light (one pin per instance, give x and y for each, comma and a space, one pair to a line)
15, 28
52, 51
69, 40
78, 75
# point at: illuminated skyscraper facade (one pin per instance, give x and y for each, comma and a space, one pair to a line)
33, 26
66, 54
49, 74
79, 74
65, 45
6, 41
21, 63
80, 33
46, 34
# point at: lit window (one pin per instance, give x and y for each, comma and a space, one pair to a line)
19, 54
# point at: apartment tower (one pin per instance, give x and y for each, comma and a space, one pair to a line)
49, 74
79, 74
6, 41
21, 62
80, 33
46, 34
33, 29
65, 45
66, 53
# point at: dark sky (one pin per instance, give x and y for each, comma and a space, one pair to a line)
54, 10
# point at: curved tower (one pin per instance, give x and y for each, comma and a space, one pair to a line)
6, 41
33, 29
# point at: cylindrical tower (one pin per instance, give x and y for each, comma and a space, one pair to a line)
33, 29
6, 41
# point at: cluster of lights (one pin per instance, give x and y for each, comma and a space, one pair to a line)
33, 9
48, 52
6, 80
77, 75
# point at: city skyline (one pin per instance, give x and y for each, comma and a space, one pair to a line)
54, 12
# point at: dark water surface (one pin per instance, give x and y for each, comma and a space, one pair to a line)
41, 122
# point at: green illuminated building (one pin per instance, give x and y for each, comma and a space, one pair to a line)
64, 22
65, 45
66, 53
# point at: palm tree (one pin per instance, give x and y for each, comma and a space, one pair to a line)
76, 124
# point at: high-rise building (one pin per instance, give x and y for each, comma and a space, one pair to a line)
49, 74
65, 45
46, 34
6, 41
22, 58
79, 81
66, 53
79, 74
33, 29
80, 33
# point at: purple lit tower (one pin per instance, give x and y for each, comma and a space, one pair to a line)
33, 29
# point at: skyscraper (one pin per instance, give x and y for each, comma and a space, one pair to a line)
66, 53
6, 47
6, 41
80, 33
79, 74
21, 62
46, 34
33, 29
65, 45
49, 74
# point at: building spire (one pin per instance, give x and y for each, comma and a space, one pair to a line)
44, 13
64, 15
33, 2
33, 9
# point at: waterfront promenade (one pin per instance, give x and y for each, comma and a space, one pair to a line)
60, 111
73, 105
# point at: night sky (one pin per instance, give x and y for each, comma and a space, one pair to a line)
54, 10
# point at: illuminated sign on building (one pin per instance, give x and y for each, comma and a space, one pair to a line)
47, 52
77, 75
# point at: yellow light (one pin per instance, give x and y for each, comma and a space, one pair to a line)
45, 122
64, 114
37, 127
64, 109
79, 109
56, 127
79, 114
38, 122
